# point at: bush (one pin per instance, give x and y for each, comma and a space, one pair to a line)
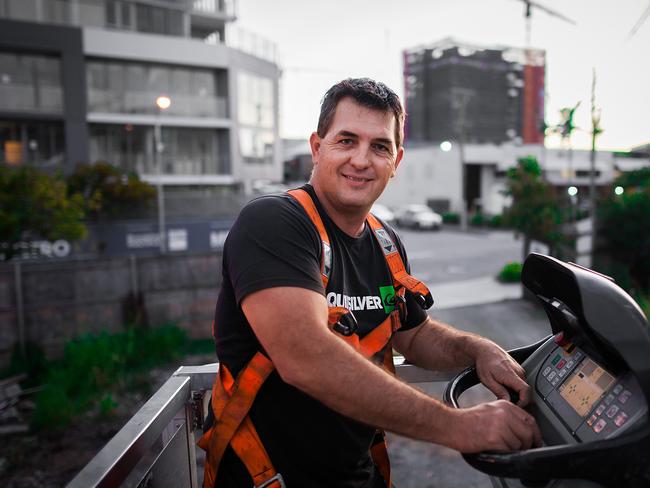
94, 365
478, 220
496, 221
450, 218
511, 273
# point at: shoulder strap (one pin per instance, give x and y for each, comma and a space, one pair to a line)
396, 265
305, 200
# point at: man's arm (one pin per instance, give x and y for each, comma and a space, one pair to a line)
438, 346
291, 325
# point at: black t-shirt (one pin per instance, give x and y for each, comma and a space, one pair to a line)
273, 243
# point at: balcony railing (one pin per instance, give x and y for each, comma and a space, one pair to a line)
215, 7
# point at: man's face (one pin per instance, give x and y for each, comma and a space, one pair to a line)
355, 159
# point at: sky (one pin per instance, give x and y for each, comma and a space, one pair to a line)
322, 42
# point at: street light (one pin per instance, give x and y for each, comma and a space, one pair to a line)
445, 146
163, 102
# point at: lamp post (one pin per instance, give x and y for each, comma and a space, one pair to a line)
163, 102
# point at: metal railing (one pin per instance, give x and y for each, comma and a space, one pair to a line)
156, 447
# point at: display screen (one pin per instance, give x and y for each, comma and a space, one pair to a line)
585, 386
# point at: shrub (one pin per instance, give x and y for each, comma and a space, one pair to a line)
478, 219
94, 365
496, 221
511, 273
450, 218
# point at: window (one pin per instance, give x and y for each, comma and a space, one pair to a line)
33, 143
157, 20
118, 87
185, 151
30, 83
256, 115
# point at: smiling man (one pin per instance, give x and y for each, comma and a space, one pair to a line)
315, 296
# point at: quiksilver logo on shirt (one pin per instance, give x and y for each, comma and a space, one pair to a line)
368, 302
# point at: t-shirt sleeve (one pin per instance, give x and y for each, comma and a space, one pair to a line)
415, 314
272, 243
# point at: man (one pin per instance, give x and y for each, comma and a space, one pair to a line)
313, 402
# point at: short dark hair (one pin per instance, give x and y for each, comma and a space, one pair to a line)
366, 92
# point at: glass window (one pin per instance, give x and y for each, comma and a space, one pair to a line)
184, 151
255, 100
57, 11
30, 83
132, 88
21, 9
34, 143
111, 13
91, 13
256, 145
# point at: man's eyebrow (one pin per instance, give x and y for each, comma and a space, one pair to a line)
382, 140
346, 133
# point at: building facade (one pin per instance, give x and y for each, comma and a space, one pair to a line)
433, 176
456, 91
79, 80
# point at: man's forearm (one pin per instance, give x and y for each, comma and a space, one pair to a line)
437, 346
339, 377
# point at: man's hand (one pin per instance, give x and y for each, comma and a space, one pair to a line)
495, 426
499, 372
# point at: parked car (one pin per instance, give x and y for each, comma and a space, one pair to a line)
417, 216
383, 213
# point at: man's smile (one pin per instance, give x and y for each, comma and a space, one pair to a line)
357, 179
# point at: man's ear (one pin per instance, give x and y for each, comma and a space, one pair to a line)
400, 155
314, 144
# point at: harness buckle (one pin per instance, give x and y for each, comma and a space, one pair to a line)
402, 309
425, 301
278, 477
346, 325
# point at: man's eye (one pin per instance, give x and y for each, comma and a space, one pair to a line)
382, 148
345, 142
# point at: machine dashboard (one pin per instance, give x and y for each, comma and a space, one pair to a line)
585, 397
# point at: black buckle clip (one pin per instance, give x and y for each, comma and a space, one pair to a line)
346, 325
425, 301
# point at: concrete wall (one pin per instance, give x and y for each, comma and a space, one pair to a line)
66, 298
425, 173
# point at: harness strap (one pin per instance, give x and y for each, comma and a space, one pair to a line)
232, 400
308, 204
396, 264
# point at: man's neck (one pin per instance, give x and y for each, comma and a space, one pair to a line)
350, 221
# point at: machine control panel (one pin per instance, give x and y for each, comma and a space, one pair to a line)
588, 399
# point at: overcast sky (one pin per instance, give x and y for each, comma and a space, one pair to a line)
321, 42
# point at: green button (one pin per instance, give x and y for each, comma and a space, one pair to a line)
555, 360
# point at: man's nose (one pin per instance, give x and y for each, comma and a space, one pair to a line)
361, 157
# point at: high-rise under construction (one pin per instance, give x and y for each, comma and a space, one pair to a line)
457, 91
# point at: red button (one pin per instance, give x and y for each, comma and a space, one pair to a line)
561, 364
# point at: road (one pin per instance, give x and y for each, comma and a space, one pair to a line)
451, 257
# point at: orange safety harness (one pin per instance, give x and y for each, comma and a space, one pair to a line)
232, 398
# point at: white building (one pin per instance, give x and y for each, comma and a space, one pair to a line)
79, 81
428, 174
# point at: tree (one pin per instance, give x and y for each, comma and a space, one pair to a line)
35, 205
625, 224
534, 210
107, 190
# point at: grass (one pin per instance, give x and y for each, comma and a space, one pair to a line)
94, 367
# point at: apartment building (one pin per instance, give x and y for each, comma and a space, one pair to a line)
80, 80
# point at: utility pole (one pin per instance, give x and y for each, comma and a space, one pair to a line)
460, 99
595, 131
